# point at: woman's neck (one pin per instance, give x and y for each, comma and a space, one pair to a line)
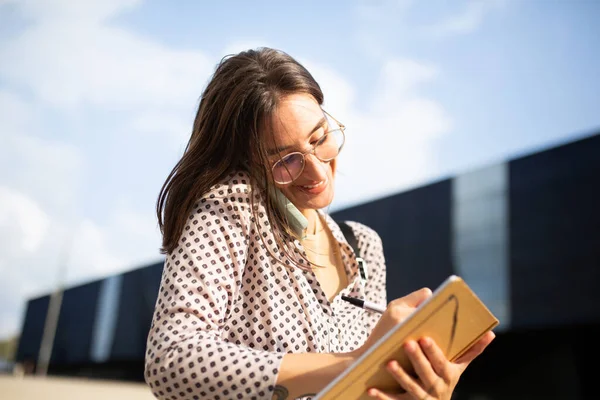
314, 225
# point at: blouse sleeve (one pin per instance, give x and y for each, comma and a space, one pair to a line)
186, 355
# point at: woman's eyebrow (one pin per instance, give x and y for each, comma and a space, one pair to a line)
319, 124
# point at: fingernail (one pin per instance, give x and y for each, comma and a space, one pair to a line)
393, 364
426, 341
372, 392
410, 345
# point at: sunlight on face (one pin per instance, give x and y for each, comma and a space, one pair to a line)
297, 126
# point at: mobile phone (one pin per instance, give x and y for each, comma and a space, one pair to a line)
297, 220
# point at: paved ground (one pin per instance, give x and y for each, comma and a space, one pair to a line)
34, 388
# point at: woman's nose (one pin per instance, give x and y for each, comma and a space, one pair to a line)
314, 168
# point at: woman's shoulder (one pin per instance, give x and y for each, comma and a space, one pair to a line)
234, 183
231, 194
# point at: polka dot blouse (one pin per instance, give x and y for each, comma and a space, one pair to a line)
227, 311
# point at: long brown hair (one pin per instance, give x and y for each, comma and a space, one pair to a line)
235, 111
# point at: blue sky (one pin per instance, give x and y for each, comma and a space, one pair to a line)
97, 100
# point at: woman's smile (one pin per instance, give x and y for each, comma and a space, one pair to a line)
315, 188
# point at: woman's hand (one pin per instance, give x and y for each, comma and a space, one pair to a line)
396, 312
437, 377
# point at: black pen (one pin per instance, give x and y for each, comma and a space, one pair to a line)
367, 305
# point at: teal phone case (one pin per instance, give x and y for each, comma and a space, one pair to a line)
297, 220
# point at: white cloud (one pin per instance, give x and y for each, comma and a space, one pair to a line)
29, 221
400, 79
382, 26
71, 64
40, 201
24, 229
374, 12
339, 94
70, 11
38, 250
89, 255
158, 124
391, 137
39, 183
134, 234
242, 45
47, 170
15, 114
72, 60
7, 2
466, 21
92, 250
102, 66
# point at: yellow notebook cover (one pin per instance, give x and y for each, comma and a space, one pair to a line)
454, 317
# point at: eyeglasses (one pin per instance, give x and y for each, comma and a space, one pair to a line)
290, 167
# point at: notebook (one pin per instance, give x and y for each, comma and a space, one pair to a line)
454, 317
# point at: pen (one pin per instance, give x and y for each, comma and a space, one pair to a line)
367, 305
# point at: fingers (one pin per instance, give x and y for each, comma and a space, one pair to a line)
407, 382
436, 375
401, 308
432, 368
417, 297
476, 350
437, 359
421, 364
378, 394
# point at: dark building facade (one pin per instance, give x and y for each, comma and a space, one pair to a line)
102, 326
524, 234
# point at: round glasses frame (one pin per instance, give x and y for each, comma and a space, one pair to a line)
281, 162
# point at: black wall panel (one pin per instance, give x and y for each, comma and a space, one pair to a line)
75, 327
555, 235
415, 228
33, 329
136, 305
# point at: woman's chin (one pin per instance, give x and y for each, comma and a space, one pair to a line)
305, 200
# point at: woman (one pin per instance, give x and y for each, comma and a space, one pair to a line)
249, 304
